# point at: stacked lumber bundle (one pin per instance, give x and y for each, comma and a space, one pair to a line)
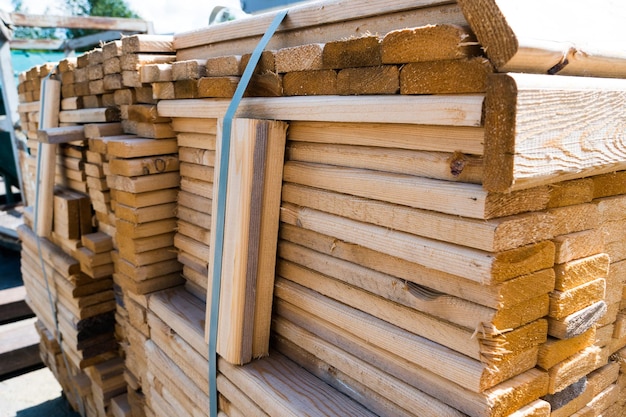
178, 371
76, 309
196, 154
353, 215
438, 245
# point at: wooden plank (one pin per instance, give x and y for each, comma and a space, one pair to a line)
49, 117
204, 126
417, 192
445, 166
143, 43
345, 290
19, 347
472, 374
310, 83
522, 151
196, 140
224, 66
133, 167
198, 156
140, 245
78, 22
577, 322
100, 115
564, 303
342, 20
155, 73
62, 262
386, 386
427, 43
362, 51
448, 110
271, 383
574, 273
572, 369
145, 214
491, 235
554, 350
414, 137
383, 79
509, 293
217, 87
299, 58
198, 172
498, 401
144, 183
140, 147
445, 77
578, 245
100, 130
252, 211
472, 264
517, 40
151, 198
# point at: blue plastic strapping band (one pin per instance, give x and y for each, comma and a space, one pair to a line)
221, 206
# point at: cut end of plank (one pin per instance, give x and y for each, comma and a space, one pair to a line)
494, 33
500, 115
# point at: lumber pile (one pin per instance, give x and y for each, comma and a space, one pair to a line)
424, 214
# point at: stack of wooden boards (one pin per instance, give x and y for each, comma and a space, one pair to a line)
444, 246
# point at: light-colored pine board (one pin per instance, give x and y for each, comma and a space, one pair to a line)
577, 322
386, 386
573, 368
145, 244
99, 115
145, 214
204, 126
144, 183
415, 137
140, 147
147, 43
555, 350
498, 401
518, 40
463, 199
446, 166
472, 264
578, 245
472, 374
49, 118
252, 212
344, 20
501, 296
564, 303
523, 150
188, 69
199, 172
448, 110
272, 384
132, 167
574, 273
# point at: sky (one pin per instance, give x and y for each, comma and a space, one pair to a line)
168, 16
